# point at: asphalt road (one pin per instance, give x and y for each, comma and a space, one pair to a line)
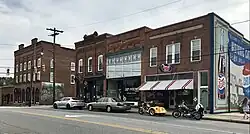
61, 121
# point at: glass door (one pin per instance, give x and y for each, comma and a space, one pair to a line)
172, 96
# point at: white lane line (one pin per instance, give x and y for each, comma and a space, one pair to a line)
83, 115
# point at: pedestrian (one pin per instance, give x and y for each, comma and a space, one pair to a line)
245, 106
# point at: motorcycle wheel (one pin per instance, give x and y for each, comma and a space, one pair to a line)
176, 114
197, 116
140, 111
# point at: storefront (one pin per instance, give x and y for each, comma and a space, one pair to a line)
170, 89
124, 75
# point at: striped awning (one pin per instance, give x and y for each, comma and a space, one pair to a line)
181, 84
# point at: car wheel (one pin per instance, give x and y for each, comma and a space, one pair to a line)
68, 106
108, 108
152, 112
55, 106
90, 107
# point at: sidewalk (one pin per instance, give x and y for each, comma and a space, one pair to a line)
227, 117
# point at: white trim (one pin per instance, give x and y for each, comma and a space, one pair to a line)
51, 63
191, 50
80, 64
29, 76
72, 75
24, 78
17, 79
90, 68
72, 66
39, 62
29, 65
150, 56
98, 66
38, 76
170, 74
21, 67
17, 69
20, 78
24, 65
173, 53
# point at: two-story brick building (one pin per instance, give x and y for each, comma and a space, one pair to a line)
90, 75
197, 61
40, 56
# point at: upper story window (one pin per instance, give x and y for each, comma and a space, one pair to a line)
29, 64
34, 76
72, 66
90, 64
80, 64
100, 62
16, 67
195, 50
34, 62
28, 76
51, 63
24, 66
38, 75
72, 79
17, 79
153, 56
173, 53
39, 62
21, 78
24, 78
21, 66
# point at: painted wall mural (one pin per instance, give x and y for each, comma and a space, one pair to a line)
239, 61
47, 92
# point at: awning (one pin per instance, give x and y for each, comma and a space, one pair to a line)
148, 85
162, 85
181, 84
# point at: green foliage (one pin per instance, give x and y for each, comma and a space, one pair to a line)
4, 81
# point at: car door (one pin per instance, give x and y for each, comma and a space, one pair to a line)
65, 102
59, 103
104, 103
98, 103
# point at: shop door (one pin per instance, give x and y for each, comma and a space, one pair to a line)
172, 97
204, 97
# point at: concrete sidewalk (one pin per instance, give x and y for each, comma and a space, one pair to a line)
227, 117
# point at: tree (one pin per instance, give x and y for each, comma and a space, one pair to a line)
4, 81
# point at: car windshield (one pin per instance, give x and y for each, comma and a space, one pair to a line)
117, 99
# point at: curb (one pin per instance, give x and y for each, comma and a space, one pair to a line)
226, 120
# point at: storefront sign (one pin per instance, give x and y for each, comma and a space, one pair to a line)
166, 68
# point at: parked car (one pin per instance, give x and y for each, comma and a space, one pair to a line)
69, 102
109, 104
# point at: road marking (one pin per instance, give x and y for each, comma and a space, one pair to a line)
96, 123
75, 116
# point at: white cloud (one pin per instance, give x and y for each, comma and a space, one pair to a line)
22, 20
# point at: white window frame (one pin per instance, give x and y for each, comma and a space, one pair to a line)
21, 67
20, 78
34, 76
191, 51
29, 76
39, 62
51, 63
24, 65
173, 53
24, 78
38, 75
17, 68
80, 64
17, 79
73, 66
72, 81
90, 68
100, 68
29, 64
34, 63
150, 56
51, 76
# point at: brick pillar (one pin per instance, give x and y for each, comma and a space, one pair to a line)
104, 87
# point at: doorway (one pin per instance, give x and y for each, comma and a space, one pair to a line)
172, 97
204, 97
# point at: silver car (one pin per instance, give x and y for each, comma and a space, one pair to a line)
69, 102
109, 104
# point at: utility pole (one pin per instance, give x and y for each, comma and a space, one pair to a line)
33, 70
55, 33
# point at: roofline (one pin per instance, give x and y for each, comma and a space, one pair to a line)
143, 27
68, 48
97, 37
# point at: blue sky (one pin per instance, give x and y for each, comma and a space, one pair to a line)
22, 20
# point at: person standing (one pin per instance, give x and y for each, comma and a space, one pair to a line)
245, 106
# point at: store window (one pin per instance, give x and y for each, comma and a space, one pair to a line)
203, 78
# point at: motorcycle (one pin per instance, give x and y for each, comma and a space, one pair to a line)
194, 113
151, 110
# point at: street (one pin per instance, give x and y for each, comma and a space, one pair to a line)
61, 121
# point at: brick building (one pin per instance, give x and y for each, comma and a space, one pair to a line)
190, 61
90, 65
40, 55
